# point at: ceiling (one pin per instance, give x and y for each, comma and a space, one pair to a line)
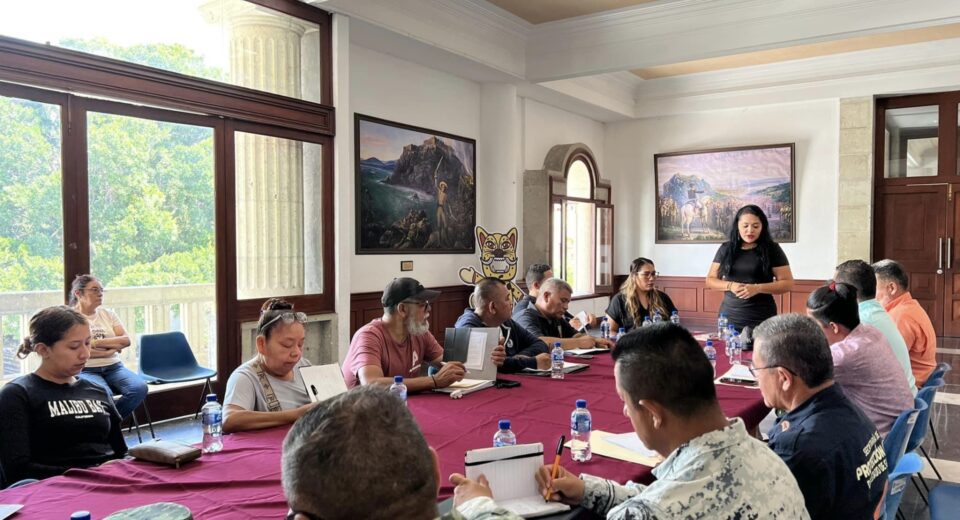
799, 52
542, 11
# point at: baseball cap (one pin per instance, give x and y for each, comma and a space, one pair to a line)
401, 289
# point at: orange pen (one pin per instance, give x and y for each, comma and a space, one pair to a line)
556, 468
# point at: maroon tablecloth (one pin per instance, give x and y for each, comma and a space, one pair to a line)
243, 481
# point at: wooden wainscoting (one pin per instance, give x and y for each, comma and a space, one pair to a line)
365, 307
700, 306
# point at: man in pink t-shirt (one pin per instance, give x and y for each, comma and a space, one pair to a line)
400, 343
912, 320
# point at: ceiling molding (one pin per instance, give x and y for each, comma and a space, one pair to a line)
468, 28
886, 71
688, 30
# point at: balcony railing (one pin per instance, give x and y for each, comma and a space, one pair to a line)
187, 308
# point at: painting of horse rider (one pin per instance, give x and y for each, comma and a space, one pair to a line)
699, 192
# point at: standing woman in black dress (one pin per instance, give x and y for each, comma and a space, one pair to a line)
750, 267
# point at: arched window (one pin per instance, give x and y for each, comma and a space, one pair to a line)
581, 248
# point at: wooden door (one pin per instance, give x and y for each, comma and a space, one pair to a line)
951, 303
913, 231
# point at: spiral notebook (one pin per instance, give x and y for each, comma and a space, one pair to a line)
511, 471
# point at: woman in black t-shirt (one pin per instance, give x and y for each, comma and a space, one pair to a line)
51, 420
638, 298
750, 267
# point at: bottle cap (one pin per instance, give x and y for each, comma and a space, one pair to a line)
604, 318
581, 403
557, 344
211, 398
709, 342
622, 329
80, 515
674, 313
735, 333
504, 424
397, 379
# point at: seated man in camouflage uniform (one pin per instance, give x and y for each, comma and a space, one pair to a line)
361, 455
713, 467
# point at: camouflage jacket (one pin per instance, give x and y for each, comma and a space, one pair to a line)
721, 474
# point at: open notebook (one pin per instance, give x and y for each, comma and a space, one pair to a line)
738, 375
464, 387
323, 381
511, 471
568, 368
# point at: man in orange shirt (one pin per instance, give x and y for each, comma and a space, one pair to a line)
912, 321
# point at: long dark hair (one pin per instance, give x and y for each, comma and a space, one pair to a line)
837, 303
49, 326
631, 293
764, 241
79, 283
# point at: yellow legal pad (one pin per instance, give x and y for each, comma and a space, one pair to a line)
601, 444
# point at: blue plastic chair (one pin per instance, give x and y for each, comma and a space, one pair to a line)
167, 358
909, 465
938, 373
895, 443
927, 394
944, 501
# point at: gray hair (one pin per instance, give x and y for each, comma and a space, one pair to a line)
555, 285
887, 269
485, 292
796, 343
362, 443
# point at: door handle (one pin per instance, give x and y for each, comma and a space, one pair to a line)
949, 252
940, 255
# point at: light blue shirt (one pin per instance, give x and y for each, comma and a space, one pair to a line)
872, 313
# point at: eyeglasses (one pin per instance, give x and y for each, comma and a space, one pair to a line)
95, 290
426, 305
287, 317
753, 370
649, 274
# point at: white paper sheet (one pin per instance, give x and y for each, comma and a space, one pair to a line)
323, 381
582, 351
630, 441
475, 350
7, 510
512, 477
582, 316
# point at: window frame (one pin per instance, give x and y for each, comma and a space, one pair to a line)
555, 197
60, 76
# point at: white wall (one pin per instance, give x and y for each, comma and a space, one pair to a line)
398, 90
813, 126
545, 126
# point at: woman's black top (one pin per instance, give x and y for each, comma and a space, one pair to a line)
621, 314
747, 268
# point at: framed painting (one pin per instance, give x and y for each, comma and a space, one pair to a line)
416, 189
698, 193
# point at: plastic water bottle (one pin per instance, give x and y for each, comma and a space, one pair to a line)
604, 328
80, 515
722, 325
580, 426
212, 414
504, 437
399, 389
675, 317
736, 349
556, 361
646, 321
657, 318
711, 356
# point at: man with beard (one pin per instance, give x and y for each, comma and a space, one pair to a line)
400, 343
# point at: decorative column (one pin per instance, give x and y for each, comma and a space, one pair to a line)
265, 54
855, 196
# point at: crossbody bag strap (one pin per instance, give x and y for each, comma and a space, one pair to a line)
273, 404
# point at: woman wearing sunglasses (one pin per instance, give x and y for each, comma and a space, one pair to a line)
638, 298
268, 390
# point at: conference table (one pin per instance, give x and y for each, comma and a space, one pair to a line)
243, 480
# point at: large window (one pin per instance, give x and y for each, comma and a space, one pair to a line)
134, 157
582, 228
